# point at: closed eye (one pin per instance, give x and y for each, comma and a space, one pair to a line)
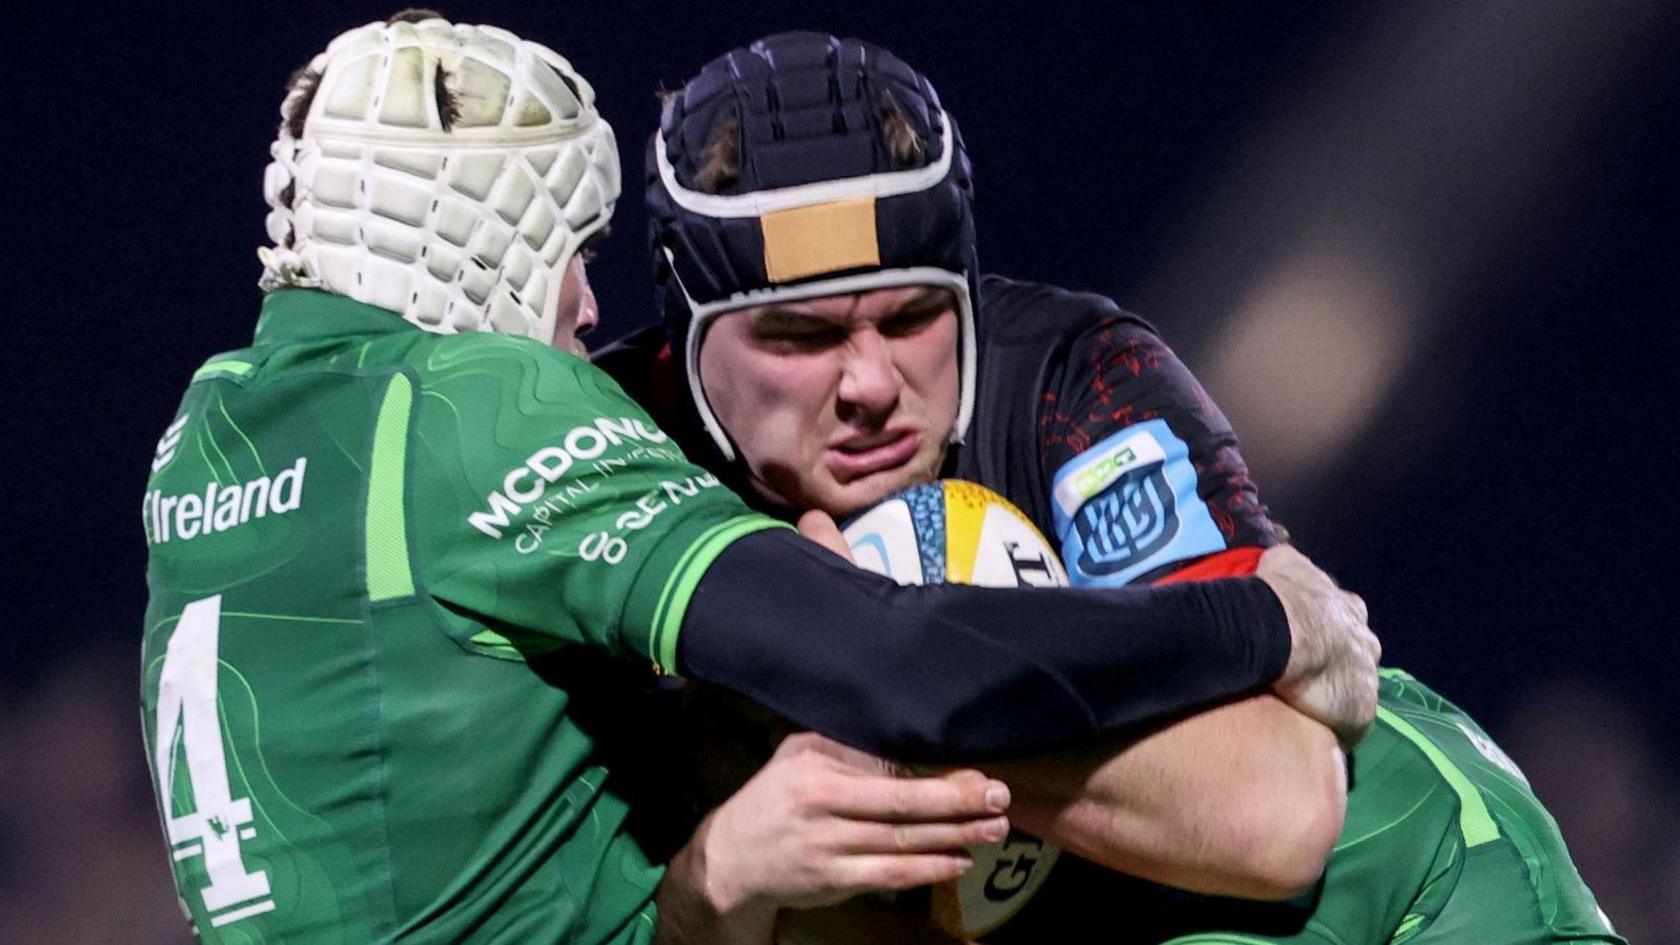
787, 331
803, 340
913, 321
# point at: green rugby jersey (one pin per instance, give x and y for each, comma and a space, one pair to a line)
374, 552
1444, 843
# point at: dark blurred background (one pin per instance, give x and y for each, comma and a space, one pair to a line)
1423, 253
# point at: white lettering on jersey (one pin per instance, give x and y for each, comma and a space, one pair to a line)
189, 723
221, 508
611, 546
524, 484
167, 444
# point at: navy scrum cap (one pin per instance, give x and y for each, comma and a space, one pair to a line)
821, 191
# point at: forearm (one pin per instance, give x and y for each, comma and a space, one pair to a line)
854, 656
1242, 800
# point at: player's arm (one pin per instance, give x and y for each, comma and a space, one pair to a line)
1193, 805
1246, 799
1197, 805
556, 513
950, 673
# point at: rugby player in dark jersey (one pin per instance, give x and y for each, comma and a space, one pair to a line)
831, 341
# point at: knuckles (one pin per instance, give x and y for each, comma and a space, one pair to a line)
811, 792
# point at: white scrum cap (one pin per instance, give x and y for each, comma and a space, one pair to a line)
459, 222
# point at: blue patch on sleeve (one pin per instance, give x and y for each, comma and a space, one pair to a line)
1128, 505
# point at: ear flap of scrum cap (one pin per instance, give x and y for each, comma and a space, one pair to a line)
818, 203
445, 172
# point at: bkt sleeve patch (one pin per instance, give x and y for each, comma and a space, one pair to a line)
1128, 505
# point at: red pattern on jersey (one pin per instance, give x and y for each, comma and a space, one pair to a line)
1232, 562
1106, 363
1117, 356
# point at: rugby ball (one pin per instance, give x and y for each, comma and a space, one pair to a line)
962, 532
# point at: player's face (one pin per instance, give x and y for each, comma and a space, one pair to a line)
838, 401
577, 312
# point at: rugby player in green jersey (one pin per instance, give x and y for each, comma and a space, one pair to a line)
410, 558
821, 304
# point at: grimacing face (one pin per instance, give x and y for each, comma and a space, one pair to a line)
839, 401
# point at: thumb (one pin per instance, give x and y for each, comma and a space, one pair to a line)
819, 527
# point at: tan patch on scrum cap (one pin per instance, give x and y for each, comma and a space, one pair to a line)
827, 237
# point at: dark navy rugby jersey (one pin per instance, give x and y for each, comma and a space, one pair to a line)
1090, 423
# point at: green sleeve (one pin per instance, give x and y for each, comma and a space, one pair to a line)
551, 509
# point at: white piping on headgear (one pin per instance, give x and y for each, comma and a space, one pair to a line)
705, 312
759, 202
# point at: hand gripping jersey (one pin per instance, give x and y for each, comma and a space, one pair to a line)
369, 546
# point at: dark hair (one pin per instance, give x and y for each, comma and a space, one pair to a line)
305, 82
902, 143
721, 157
448, 108
300, 94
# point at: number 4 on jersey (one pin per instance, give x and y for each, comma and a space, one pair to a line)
188, 717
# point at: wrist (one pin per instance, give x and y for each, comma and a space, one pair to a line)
715, 863
719, 893
701, 904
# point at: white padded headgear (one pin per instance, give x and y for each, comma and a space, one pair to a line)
460, 227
